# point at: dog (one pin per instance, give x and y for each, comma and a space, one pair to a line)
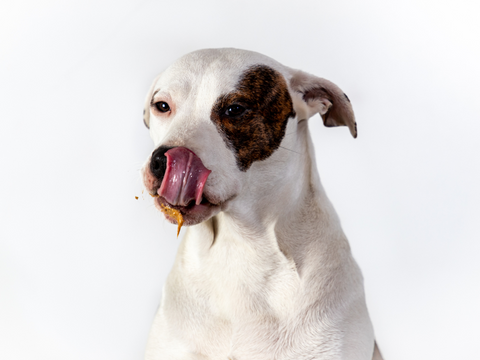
264, 270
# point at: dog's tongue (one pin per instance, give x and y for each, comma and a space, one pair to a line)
184, 178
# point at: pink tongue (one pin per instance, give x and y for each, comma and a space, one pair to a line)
185, 177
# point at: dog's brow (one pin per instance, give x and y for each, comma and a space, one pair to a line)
153, 96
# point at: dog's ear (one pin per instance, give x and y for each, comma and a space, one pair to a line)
317, 95
146, 108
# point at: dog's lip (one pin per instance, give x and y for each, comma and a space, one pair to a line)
184, 210
192, 214
205, 201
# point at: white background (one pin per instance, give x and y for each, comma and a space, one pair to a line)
82, 262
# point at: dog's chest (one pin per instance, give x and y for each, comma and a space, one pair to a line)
241, 278
239, 296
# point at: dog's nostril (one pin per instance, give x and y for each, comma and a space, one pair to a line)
158, 162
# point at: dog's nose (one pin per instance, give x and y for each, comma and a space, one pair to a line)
158, 162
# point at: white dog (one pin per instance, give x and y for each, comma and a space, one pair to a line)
264, 270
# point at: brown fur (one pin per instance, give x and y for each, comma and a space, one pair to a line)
258, 132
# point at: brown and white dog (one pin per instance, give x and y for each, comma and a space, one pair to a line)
264, 270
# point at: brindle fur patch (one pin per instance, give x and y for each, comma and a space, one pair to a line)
258, 132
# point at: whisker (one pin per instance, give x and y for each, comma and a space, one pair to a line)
290, 150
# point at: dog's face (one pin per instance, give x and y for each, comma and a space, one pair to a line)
223, 122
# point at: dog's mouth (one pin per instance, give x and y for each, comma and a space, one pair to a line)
188, 210
182, 187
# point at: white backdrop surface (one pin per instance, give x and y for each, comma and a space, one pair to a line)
82, 262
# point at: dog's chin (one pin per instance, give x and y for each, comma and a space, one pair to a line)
192, 214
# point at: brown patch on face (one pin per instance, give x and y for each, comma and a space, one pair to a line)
258, 131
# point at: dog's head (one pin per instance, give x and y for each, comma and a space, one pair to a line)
219, 119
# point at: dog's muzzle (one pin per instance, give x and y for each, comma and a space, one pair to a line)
181, 173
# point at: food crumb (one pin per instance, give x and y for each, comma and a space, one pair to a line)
175, 214
136, 197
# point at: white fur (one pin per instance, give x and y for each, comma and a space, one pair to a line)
270, 275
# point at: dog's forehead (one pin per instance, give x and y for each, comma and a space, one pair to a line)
211, 71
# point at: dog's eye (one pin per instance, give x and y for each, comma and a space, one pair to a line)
162, 106
234, 110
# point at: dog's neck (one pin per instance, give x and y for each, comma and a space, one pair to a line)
298, 218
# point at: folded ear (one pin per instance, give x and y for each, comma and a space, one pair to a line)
317, 95
146, 107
